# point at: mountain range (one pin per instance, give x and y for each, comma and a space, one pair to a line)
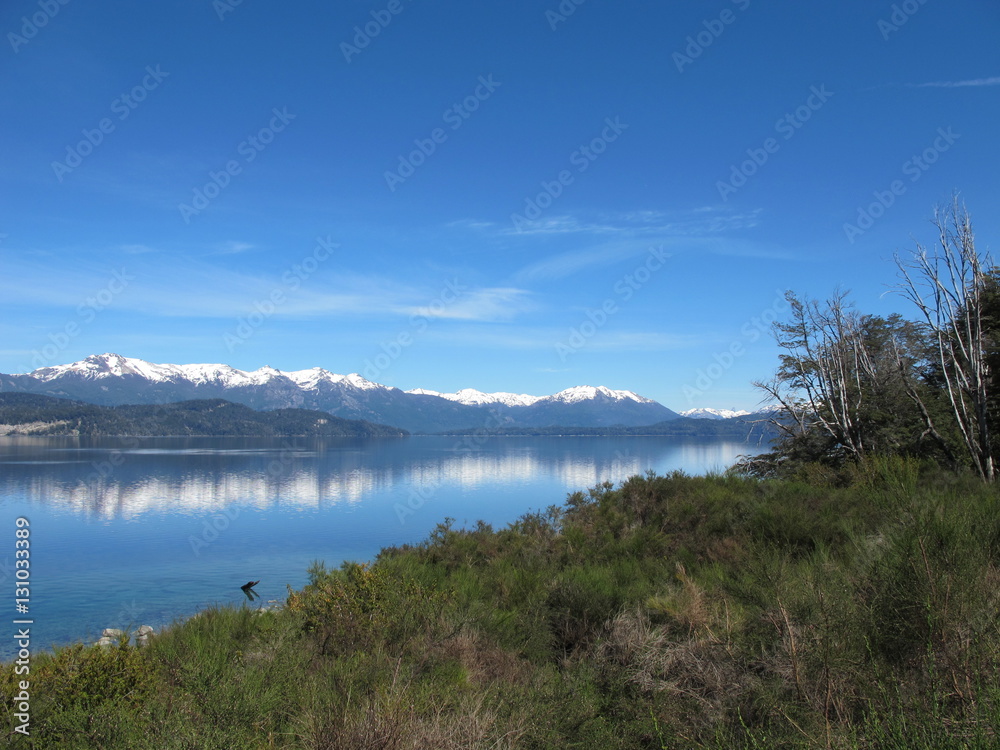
706, 413
112, 380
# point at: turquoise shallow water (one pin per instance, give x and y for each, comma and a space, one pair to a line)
142, 532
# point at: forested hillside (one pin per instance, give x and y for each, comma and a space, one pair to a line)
29, 414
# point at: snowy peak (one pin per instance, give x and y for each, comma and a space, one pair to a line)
361, 383
577, 394
114, 365
313, 378
709, 413
472, 397
208, 373
106, 366
591, 393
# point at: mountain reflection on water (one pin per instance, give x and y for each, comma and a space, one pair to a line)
125, 478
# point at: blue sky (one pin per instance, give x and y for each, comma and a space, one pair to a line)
518, 196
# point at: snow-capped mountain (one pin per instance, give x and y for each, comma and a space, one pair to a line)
709, 413
472, 397
99, 366
110, 379
589, 392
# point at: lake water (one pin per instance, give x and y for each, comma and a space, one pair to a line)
129, 532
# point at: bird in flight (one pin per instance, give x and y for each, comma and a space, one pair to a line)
248, 590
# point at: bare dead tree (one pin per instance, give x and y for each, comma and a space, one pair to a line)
822, 381
946, 284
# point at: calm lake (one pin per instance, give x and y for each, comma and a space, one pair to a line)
129, 532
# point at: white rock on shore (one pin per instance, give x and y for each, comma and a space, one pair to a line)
112, 636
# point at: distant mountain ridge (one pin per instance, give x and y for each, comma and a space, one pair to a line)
36, 414
111, 380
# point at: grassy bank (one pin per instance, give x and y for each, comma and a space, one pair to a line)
669, 612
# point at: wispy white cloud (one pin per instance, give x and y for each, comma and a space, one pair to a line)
609, 238
472, 224
562, 225
608, 253
489, 304
994, 81
565, 264
551, 225
156, 286
698, 222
